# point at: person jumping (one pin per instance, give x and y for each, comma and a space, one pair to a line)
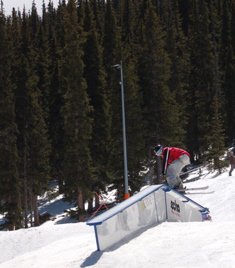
174, 160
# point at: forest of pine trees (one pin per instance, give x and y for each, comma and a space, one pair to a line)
60, 103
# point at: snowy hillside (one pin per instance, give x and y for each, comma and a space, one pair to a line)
177, 245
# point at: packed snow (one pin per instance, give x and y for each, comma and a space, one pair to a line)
62, 244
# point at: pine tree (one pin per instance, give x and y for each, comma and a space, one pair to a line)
205, 79
177, 49
77, 170
199, 96
216, 137
33, 143
97, 90
10, 202
37, 92
160, 109
228, 66
112, 57
98, 9
135, 128
53, 28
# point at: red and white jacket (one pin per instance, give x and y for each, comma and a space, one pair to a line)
171, 154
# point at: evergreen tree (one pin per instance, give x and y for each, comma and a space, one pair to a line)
216, 139
9, 176
177, 49
205, 79
37, 91
33, 140
98, 9
112, 57
199, 93
160, 109
135, 128
129, 18
54, 30
77, 170
97, 90
227, 61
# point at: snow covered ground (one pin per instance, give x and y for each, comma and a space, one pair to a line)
169, 245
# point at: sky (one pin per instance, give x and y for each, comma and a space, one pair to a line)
9, 4
209, 244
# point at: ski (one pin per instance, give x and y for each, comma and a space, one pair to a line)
195, 188
191, 171
192, 189
202, 192
191, 179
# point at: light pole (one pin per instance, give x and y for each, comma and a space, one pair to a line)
126, 193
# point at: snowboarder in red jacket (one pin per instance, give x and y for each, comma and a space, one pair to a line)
174, 160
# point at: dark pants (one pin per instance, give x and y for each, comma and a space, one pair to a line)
231, 169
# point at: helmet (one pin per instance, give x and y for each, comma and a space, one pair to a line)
158, 149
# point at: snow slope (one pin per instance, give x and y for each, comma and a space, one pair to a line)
177, 245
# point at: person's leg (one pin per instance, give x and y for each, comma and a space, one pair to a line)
231, 169
174, 169
172, 174
185, 159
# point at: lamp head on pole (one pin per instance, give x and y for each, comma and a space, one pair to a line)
117, 66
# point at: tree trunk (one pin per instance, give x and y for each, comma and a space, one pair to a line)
80, 205
35, 210
25, 190
97, 201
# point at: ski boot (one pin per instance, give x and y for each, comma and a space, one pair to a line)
180, 188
